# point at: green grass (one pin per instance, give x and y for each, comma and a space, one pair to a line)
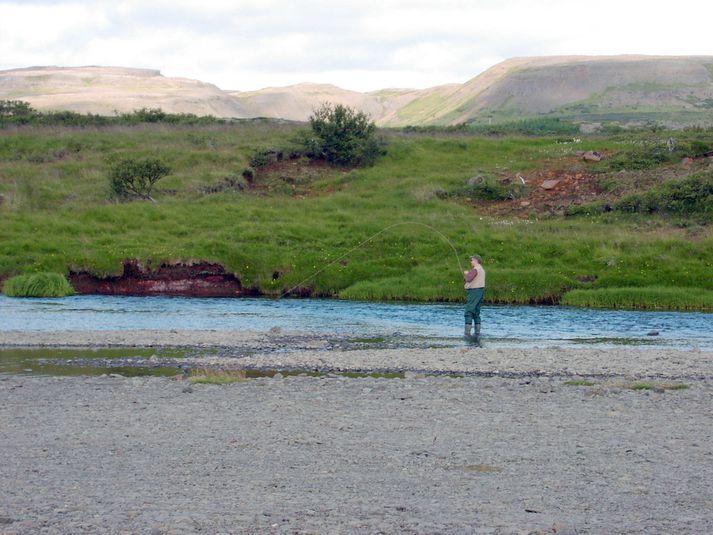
56, 215
217, 377
579, 382
38, 285
637, 385
657, 298
656, 386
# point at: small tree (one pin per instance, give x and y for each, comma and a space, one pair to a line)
16, 111
136, 177
343, 136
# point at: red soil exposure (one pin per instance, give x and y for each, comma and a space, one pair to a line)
548, 192
190, 280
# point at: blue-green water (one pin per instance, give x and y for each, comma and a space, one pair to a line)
502, 325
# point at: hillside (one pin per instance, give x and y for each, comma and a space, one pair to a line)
106, 90
675, 91
297, 102
628, 86
629, 228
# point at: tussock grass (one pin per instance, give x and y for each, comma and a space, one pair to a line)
655, 386
656, 298
636, 385
216, 377
38, 285
580, 382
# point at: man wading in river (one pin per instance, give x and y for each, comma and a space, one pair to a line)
475, 288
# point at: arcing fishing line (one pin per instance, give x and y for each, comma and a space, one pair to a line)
389, 227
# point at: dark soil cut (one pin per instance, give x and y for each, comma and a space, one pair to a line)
201, 279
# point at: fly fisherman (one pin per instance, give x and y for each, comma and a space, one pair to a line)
475, 288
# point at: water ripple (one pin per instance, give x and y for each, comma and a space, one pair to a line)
503, 325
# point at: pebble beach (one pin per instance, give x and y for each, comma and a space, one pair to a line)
469, 440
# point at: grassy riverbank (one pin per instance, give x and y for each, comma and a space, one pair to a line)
300, 224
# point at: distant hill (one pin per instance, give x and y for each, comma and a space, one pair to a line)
624, 89
297, 102
106, 90
580, 87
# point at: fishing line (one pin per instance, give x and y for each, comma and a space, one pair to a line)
361, 244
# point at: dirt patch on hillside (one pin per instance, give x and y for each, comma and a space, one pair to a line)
295, 176
557, 185
548, 191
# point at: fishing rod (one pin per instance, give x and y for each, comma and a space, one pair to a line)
361, 244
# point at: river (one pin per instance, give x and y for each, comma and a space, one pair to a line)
442, 322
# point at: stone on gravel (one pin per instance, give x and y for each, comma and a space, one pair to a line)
438, 454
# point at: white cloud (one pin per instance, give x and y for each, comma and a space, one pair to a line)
361, 45
29, 31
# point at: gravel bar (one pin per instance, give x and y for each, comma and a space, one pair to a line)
521, 451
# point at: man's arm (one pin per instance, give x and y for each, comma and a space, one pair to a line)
470, 275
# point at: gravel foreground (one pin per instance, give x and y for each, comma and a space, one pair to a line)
511, 447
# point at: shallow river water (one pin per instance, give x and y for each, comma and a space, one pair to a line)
502, 325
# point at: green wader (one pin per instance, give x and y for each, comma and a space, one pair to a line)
472, 306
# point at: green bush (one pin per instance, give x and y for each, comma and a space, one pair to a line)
486, 188
537, 126
343, 136
38, 285
264, 157
130, 177
699, 148
19, 112
15, 112
692, 195
633, 203
593, 208
643, 156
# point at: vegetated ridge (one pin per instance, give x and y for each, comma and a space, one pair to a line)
617, 220
672, 90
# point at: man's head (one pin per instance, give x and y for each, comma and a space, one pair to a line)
475, 258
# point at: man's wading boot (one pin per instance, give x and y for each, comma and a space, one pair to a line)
466, 333
476, 338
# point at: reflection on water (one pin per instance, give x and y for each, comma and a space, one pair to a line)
502, 325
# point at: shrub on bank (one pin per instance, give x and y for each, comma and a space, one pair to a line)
38, 285
489, 189
17, 112
644, 156
691, 196
536, 126
137, 178
343, 136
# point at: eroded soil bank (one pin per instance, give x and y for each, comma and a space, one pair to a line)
200, 279
203, 279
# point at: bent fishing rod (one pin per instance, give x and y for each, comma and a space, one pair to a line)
367, 240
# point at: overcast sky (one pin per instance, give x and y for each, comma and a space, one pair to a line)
358, 44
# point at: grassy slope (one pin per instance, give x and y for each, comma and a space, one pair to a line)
56, 216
